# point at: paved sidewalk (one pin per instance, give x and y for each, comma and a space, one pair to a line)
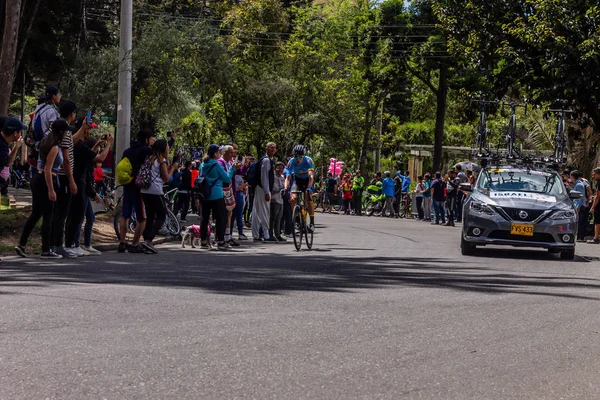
21, 196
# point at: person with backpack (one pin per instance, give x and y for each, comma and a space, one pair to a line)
261, 176
157, 169
45, 113
212, 191
44, 187
126, 173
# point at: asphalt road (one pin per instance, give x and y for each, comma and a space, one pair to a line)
380, 309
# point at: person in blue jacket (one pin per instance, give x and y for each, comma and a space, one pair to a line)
389, 191
215, 176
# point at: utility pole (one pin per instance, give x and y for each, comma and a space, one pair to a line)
125, 66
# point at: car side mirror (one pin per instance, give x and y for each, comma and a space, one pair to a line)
466, 187
574, 195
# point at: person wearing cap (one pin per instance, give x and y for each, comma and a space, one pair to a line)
11, 133
44, 188
132, 196
67, 185
358, 186
215, 177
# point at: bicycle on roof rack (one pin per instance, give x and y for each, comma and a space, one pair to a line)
560, 139
482, 146
510, 139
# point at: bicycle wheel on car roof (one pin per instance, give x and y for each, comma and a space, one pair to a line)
298, 223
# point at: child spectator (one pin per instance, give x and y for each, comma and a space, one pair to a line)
99, 178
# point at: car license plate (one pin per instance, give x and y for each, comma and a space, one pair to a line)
521, 229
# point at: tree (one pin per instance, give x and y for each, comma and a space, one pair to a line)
550, 49
8, 51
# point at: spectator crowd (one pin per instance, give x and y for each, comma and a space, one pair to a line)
227, 191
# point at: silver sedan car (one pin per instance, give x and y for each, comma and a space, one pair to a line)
520, 206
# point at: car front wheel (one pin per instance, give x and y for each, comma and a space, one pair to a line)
466, 248
567, 254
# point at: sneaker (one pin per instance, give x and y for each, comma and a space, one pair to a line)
289, 235
594, 241
257, 240
66, 253
92, 251
223, 246
233, 243
271, 240
148, 246
310, 228
51, 255
122, 247
242, 237
78, 251
21, 251
136, 248
449, 223
204, 245
183, 221
281, 239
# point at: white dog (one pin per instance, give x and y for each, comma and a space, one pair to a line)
192, 233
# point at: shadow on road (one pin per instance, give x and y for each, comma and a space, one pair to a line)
262, 273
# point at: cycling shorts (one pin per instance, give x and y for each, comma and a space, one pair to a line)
300, 185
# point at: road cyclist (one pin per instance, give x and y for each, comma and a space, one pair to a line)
301, 178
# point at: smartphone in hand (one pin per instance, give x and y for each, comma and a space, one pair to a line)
88, 117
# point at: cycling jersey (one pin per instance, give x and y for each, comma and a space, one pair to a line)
301, 170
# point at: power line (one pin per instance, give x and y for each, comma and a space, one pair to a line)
222, 20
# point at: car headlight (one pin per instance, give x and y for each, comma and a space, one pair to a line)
563, 215
481, 208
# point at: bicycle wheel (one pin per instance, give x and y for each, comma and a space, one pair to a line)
309, 238
172, 223
298, 227
116, 223
132, 223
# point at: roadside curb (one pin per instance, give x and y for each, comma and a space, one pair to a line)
12, 202
115, 246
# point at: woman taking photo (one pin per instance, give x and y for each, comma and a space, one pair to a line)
44, 184
153, 195
215, 176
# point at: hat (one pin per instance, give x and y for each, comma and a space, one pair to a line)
13, 125
66, 108
51, 91
61, 125
212, 149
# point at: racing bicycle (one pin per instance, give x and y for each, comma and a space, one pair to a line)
510, 139
481, 143
560, 140
299, 220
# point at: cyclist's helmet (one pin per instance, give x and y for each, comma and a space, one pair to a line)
299, 150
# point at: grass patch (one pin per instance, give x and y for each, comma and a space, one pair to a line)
4, 203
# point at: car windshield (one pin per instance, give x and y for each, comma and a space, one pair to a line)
520, 180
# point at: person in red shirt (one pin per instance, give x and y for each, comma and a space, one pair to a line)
99, 178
